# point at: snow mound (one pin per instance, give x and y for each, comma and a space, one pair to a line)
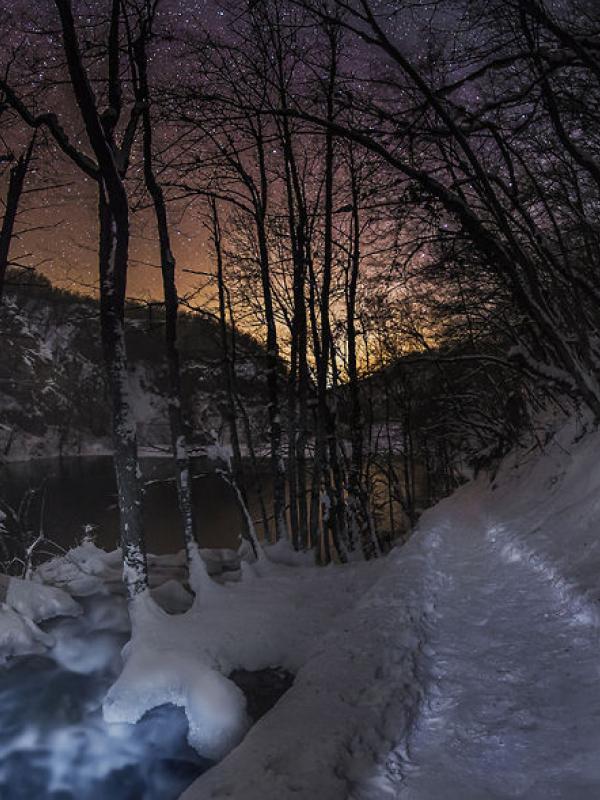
355, 695
38, 602
84, 570
214, 706
20, 636
25, 603
435, 659
282, 552
172, 597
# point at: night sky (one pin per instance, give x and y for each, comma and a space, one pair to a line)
60, 224
59, 227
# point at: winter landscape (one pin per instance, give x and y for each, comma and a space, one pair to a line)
299, 399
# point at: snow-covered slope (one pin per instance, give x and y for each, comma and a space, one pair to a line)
53, 398
467, 670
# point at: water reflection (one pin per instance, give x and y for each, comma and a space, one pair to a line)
81, 491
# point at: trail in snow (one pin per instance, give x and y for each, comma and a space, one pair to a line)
468, 669
512, 707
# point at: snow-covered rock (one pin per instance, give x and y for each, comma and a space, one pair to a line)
84, 570
25, 603
38, 602
20, 636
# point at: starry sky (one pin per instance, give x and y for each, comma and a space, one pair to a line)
57, 226
59, 223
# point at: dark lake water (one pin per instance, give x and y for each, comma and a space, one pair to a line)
80, 492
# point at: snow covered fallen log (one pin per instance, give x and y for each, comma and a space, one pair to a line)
87, 569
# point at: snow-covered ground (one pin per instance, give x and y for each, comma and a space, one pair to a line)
464, 666
468, 670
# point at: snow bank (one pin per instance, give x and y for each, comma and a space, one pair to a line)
259, 622
345, 727
20, 636
352, 634
24, 604
38, 602
543, 509
352, 703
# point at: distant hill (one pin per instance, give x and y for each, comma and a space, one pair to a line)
53, 397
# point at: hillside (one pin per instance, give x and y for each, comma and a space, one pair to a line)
53, 397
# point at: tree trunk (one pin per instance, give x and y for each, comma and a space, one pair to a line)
113, 252
326, 435
113, 213
229, 369
15, 188
272, 356
179, 443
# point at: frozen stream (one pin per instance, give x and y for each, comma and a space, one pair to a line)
54, 744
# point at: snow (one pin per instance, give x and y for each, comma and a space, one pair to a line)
38, 602
84, 649
53, 739
84, 570
20, 636
462, 666
356, 693
271, 618
173, 597
468, 670
512, 702
214, 706
25, 604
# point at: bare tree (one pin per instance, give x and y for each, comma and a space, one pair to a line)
179, 443
107, 168
16, 182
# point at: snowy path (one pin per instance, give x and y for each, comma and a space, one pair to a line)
512, 706
464, 666
470, 670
